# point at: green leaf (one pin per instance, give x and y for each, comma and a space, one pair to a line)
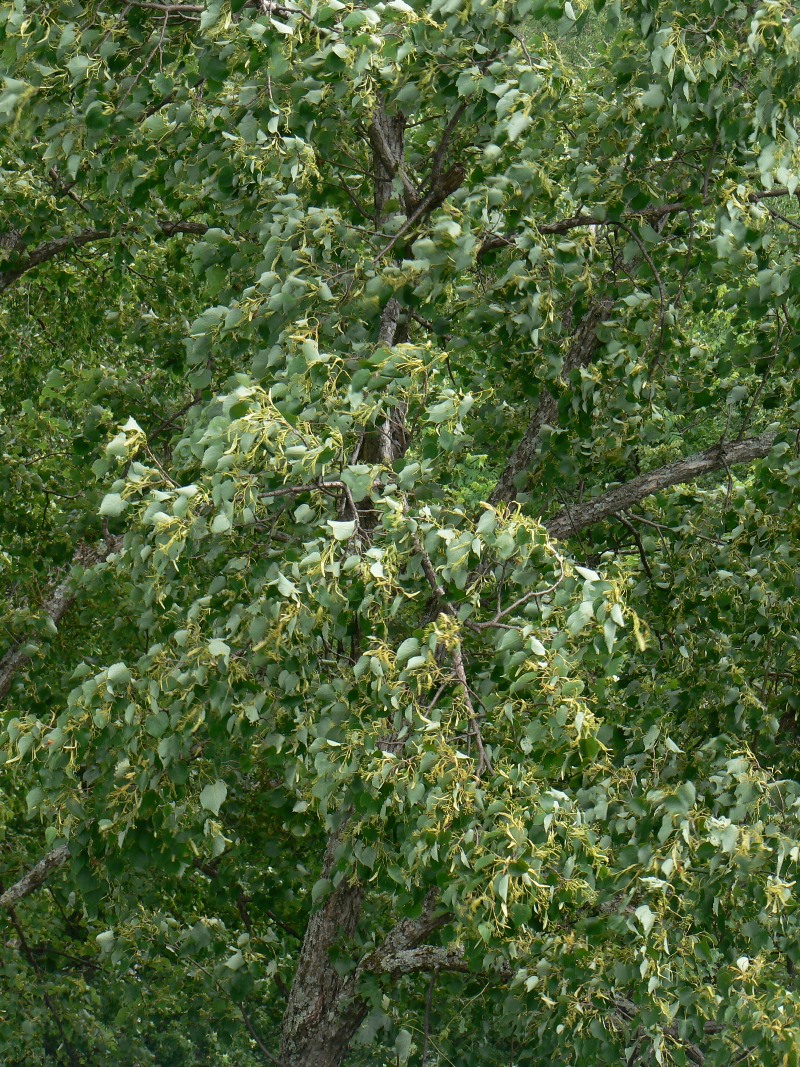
358, 479
487, 524
646, 918
119, 674
409, 647
580, 618
402, 1046
112, 505
342, 531
157, 724
212, 797
106, 940
654, 97
220, 524
518, 122
285, 587
320, 890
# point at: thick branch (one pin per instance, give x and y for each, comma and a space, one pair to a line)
448, 183
388, 441
494, 241
581, 352
409, 933
321, 1014
387, 137
574, 519
424, 958
35, 877
51, 249
403, 950
170, 9
437, 164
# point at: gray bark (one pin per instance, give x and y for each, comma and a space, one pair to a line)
321, 1015
325, 1009
387, 138
35, 877
728, 454
388, 442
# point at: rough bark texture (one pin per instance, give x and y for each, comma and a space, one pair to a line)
321, 1016
403, 951
574, 519
35, 877
387, 135
323, 1012
388, 441
324, 1009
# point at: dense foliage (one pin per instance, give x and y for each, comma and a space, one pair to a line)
399, 556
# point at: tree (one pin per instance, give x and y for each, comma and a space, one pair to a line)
401, 550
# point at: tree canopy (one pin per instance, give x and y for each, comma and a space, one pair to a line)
399, 554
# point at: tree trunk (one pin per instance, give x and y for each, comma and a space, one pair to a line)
322, 1015
324, 1011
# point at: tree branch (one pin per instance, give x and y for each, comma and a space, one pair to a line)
35, 877
55, 608
448, 183
423, 958
403, 952
51, 249
170, 9
437, 164
581, 352
494, 241
572, 520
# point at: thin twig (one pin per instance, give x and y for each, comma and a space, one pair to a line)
521, 42
294, 490
635, 533
662, 296
54, 1013
183, 11
427, 566
484, 763
672, 529
254, 1034
439, 155
764, 378
427, 1025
